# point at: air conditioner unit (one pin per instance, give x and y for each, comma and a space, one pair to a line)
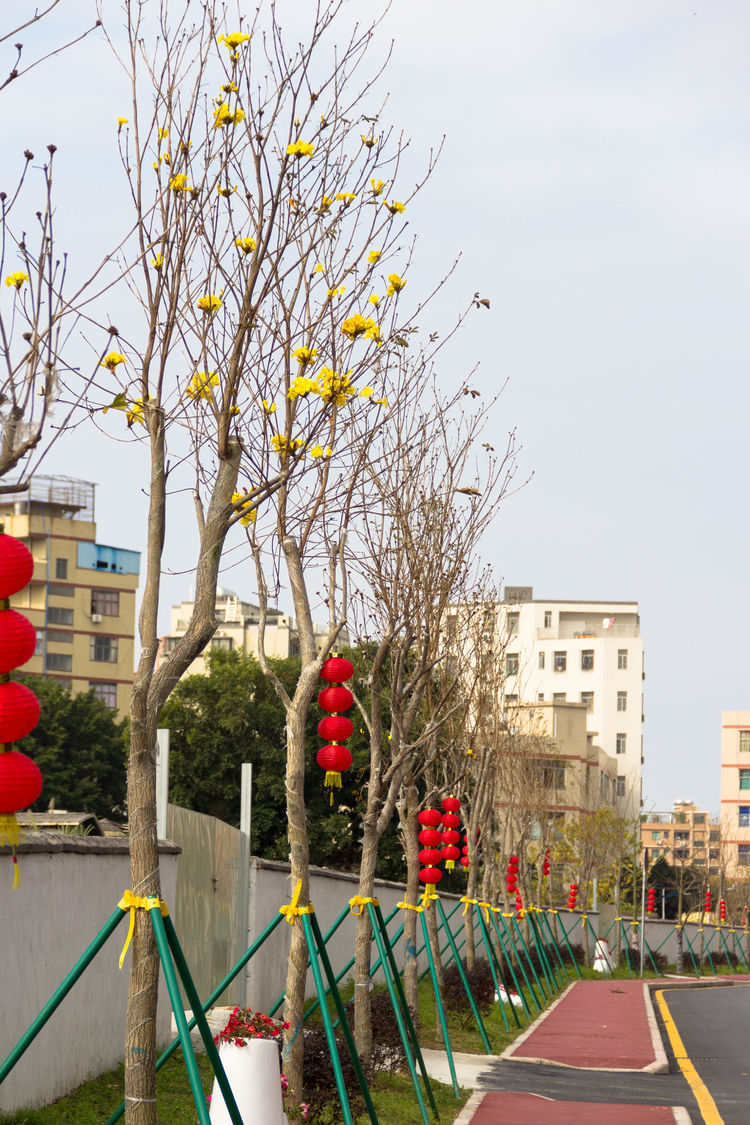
96, 618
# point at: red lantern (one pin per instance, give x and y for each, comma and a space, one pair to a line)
19, 711
337, 669
464, 861
430, 837
465, 849
335, 699
20, 785
428, 857
450, 820
519, 901
450, 855
707, 904
430, 818
335, 728
451, 836
16, 566
451, 804
431, 875
545, 864
17, 639
651, 900
722, 910
335, 760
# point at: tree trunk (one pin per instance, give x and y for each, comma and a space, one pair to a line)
412, 925
363, 945
471, 892
432, 931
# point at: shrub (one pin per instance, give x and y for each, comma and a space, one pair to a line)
482, 987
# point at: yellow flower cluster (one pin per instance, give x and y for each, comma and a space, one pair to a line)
284, 446
370, 142
226, 191
111, 360
201, 384
325, 205
305, 355
301, 387
209, 304
180, 182
318, 451
374, 256
395, 284
234, 40
346, 197
246, 506
158, 261
16, 280
223, 115
359, 325
246, 245
335, 388
395, 208
377, 187
299, 149
336, 292
121, 121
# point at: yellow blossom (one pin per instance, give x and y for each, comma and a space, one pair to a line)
246, 506
135, 413
234, 40
374, 256
320, 268
185, 147
316, 451
16, 280
337, 292
305, 355
121, 121
179, 182
269, 407
334, 387
357, 325
246, 245
229, 88
346, 197
111, 360
395, 208
374, 299
167, 159
377, 187
369, 141
300, 148
300, 387
366, 392
283, 446
201, 384
325, 205
163, 134
225, 116
226, 191
381, 401
155, 166
210, 304
395, 284
158, 261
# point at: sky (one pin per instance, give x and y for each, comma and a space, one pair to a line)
594, 179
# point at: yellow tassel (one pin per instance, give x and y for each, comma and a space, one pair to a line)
10, 833
449, 865
17, 873
332, 781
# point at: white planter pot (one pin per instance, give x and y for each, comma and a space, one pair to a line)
255, 1078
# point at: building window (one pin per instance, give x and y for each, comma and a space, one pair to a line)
622, 701
59, 636
622, 659
656, 836
681, 837
512, 699
224, 643
548, 619
561, 661
58, 616
540, 697
744, 739
743, 854
61, 568
744, 779
59, 662
559, 696
541, 660
105, 602
511, 664
57, 591
620, 786
621, 742
587, 697
699, 818
107, 693
511, 623
103, 649
681, 853
744, 816
587, 660
39, 642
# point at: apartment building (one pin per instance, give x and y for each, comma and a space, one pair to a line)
735, 791
684, 837
586, 652
81, 598
237, 629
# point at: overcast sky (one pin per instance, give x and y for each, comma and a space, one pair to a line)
595, 180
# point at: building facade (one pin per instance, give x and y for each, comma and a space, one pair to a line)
587, 652
735, 791
81, 598
684, 837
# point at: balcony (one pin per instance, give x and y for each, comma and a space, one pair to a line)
573, 631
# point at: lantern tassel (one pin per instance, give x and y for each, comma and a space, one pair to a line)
449, 865
16, 873
10, 832
332, 781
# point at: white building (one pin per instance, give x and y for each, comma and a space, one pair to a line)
581, 652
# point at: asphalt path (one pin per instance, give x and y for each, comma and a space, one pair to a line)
714, 1025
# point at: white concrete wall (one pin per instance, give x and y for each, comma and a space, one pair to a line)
69, 888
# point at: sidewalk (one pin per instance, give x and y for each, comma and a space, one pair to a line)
595, 1025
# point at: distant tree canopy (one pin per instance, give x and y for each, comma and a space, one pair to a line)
80, 747
232, 715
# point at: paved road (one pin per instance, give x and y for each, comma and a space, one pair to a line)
714, 1025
